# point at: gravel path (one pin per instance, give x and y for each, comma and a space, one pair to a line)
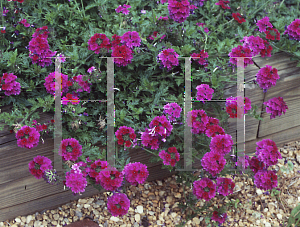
155, 204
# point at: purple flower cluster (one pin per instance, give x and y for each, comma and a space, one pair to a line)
118, 204
266, 77
198, 125
39, 165
213, 162
276, 106
110, 179
9, 84
136, 173
221, 144
123, 9
173, 109
50, 83
267, 152
204, 92
82, 84
204, 189
76, 179
39, 47
27, 137
179, 10
293, 30
168, 58
71, 149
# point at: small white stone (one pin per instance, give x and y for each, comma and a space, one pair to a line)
279, 216
266, 210
267, 224
139, 209
116, 219
86, 205
151, 212
28, 219
137, 217
18, 220
37, 224
258, 191
159, 183
196, 221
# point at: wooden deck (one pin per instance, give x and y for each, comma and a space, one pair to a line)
38, 195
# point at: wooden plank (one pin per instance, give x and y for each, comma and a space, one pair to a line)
290, 91
280, 138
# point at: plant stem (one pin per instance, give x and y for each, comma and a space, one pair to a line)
255, 64
150, 152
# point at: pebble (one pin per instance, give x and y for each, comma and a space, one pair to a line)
115, 219
137, 217
279, 216
18, 220
28, 219
139, 209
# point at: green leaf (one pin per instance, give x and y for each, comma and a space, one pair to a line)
290, 165
295, 214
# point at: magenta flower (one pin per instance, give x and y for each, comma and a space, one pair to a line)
173, 109
256, 165
123, 53
161, 126
266, 179
125, 135
90, 70
82, 84
221, 144
243, 161
76, 181
204, 92
293, 30
233, 102
200, 58
70, 149
179, 10
99, 42
272, 33
136, 173
225, 186
70, 97
223, 4
263, 24
96, 167
9, 84
256, 44
150, 140
266, 77
39, 165
110, 179
238, 17
267, 152
241, 51
219, 217
50, 84
118, 204
131, 39
204, 189
170, 157
123, 9
169, 58
27, 137
276, 106
213, 162
197, 119
212, 128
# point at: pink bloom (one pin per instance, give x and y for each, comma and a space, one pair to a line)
266, 179
221, 144
131, 39
241, 51
197, 119
263, 24
123, 53
76, 181
276, 106
179, 10
27, 137
219, 217
267, 152
90, 70
110, 179
71, 149
118, 204
167, 156
266, 77
272, 33
39, 165
225, 186
213, 162
173, 110
136, 173
293, 30
168, 58
204, 189
223, 4
204, 92
233, 102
